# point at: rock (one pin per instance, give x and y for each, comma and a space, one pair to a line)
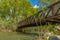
53, 38
58, 36
58, 28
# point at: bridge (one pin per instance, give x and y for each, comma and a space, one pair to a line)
49, 14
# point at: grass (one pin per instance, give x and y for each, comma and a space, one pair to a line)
15, 36
21, 36
37, 29
47, 30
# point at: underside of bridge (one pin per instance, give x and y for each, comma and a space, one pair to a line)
51, 14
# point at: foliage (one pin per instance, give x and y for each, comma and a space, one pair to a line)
44, 3
12, 11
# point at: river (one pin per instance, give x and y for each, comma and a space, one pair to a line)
16, 36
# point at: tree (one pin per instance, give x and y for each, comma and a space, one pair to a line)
13, 11
44, 3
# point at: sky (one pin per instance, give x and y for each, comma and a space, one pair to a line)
34, 3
